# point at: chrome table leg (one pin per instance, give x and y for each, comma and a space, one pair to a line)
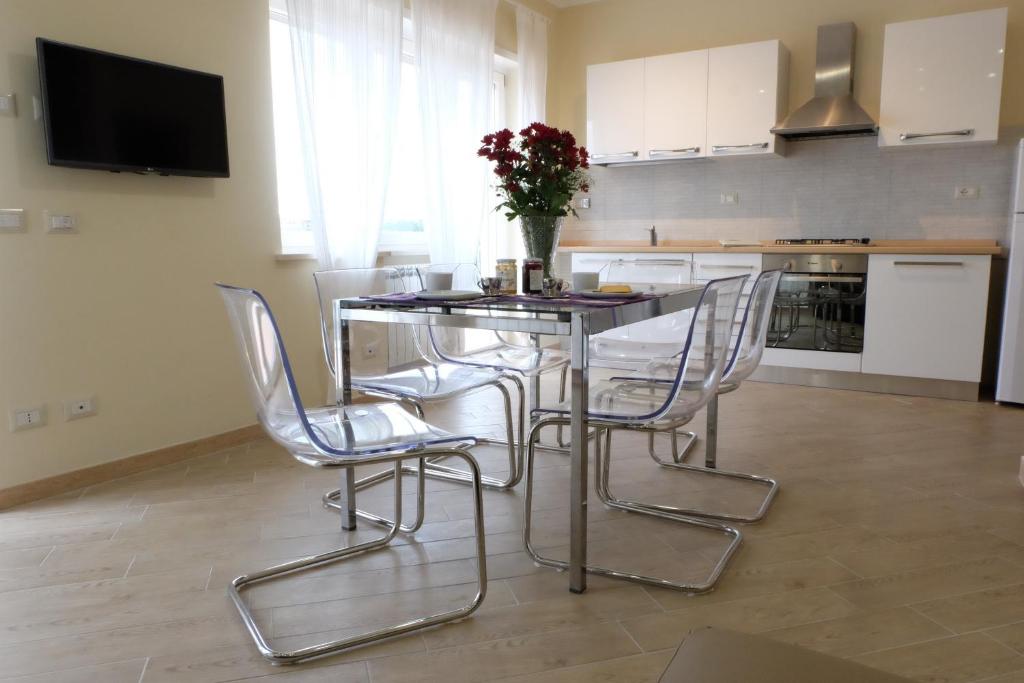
347, 502
711, 440
579, 441
343, 394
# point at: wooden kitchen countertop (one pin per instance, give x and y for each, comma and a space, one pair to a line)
961, 247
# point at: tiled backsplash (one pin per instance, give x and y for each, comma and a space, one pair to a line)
839, 187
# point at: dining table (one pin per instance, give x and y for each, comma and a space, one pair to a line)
573, 317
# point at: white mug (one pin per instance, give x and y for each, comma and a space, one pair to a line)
437, 281
584, 281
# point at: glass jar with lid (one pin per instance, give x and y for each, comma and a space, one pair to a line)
506, 270
533, 276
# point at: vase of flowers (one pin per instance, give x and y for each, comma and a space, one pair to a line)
538, 173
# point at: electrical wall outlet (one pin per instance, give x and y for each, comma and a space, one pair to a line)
78, 408
12, 220
28, 418
966, 192
8, 105
730, 198
58, 223
583, 203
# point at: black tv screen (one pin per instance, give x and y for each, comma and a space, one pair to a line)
107, 111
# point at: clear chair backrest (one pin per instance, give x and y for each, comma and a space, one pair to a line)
753, 333
350, 282
681, 389
450, 343
709, 344
268, 374
655, 275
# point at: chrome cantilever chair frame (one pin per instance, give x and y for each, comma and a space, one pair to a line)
769, 279
655, 421
601, 460
280, 411
276, 656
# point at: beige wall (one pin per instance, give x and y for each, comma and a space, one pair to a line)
126, 310
623, 29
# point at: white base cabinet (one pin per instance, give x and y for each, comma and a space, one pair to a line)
942, 80
926, 316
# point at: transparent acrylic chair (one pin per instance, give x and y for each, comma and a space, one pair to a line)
513, 353
430, 380
641, 402
335, 436
632, 346
745, 355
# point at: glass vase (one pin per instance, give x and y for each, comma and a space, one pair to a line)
540, 236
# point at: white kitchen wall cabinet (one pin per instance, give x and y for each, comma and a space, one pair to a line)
942, 80
675, 106
747, 95
926, 316
615, 111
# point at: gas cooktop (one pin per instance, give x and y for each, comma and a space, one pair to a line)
825, 240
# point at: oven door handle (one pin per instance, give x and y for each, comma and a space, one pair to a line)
823, 278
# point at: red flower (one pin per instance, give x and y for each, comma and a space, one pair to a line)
539, 171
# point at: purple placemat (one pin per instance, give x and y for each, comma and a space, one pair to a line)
570, 300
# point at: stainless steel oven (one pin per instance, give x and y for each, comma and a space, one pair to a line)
820, 303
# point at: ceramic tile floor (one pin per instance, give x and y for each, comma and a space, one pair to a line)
897, 540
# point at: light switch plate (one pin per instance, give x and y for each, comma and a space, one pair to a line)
58, 223
8, 105
12, 220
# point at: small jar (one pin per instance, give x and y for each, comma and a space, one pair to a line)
533, 276
506, 270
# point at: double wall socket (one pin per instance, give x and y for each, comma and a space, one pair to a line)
30, 418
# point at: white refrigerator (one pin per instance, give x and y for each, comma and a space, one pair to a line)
1010, 382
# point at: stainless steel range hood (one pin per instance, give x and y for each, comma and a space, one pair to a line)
832, 111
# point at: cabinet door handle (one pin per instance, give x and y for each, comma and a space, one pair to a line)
653, 261
598, 157
726, 148
824, 278
726, 266
963, 133
947, 264
664, 152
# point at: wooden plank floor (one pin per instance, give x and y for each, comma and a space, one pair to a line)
897, 540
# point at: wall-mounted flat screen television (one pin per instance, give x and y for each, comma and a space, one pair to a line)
116, 113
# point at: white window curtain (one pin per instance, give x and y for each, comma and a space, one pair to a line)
347, 56
454, 43
532, 54
531, 97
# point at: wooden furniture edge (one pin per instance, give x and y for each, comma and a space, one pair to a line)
133, 464
969, 247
